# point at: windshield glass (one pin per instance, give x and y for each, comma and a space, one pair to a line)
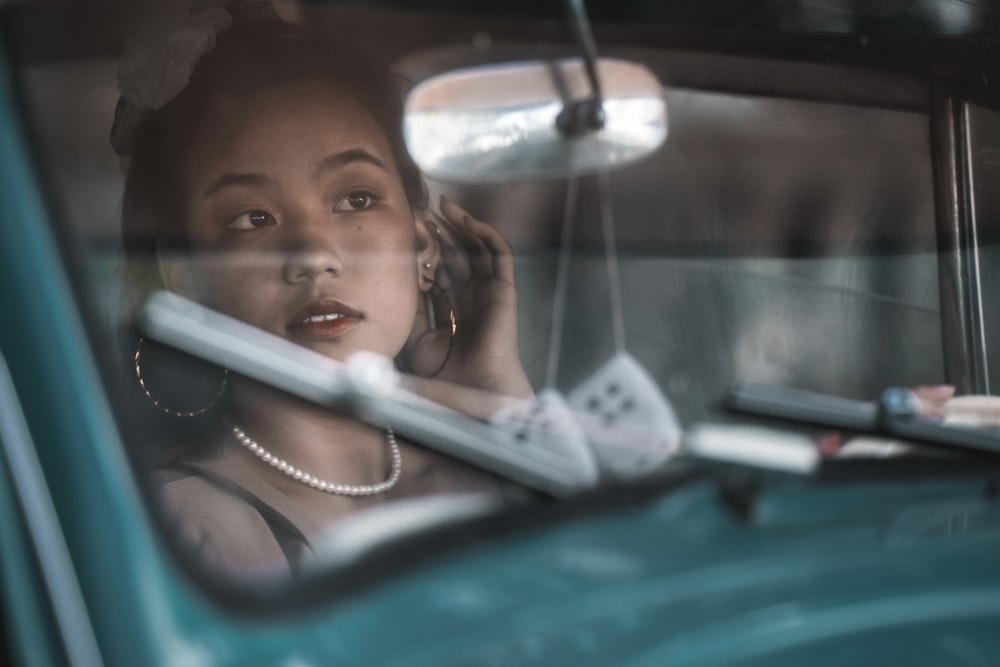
317, 342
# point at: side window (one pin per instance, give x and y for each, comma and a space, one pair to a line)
315, 345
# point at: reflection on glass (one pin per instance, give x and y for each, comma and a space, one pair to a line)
739, 172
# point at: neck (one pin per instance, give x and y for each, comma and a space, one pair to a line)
330, 445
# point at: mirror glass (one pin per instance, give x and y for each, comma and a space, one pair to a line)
497, 123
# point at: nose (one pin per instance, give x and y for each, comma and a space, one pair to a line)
310, 252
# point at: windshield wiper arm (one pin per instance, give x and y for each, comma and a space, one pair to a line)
896, 415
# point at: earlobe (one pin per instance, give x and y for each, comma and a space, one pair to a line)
428, 246
175, 274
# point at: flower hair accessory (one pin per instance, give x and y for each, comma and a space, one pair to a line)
160, 59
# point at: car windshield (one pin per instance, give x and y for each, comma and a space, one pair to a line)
361, 269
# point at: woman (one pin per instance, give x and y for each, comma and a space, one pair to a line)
268, 178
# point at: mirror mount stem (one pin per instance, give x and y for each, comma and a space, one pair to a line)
580, 117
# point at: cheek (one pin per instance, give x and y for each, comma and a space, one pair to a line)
390, 247
392, 274
234, 283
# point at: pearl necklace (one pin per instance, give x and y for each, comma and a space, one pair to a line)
329, 487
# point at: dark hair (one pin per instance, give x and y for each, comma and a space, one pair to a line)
250, 57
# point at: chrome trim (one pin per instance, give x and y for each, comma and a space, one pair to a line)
42, 523
975, 270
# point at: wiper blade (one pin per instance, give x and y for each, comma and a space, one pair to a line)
895, 416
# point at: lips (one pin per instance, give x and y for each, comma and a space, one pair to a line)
324, 319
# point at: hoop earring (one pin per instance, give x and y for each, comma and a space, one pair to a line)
429, 311
169, 411
431, 321
452, 325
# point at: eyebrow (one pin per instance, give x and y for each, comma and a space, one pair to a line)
329, 163
337, 160
227, 180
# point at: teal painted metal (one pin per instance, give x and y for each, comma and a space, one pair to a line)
119, 567
30, 627
39, 531
683, 579
814, 574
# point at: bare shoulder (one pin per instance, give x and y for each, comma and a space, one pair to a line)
220, 526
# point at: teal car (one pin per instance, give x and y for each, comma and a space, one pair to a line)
820, 217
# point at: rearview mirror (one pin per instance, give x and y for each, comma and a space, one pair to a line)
499, 123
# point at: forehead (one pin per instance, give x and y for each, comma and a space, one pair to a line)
299, 123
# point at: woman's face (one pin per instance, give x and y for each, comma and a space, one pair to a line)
299, 224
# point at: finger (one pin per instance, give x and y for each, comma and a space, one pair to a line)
455, 269
454, 213
480, 257
500, 249
491, 238
454, 259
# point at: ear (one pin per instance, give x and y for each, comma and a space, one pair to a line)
175, 271
428, 246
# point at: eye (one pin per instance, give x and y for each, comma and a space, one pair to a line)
253, 220
358, 200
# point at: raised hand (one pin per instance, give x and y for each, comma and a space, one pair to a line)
477, 274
